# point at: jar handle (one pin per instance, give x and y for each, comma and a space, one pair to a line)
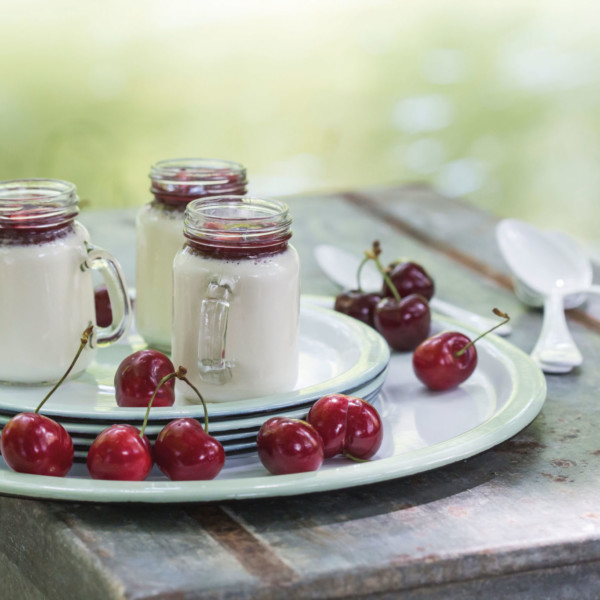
212, 336
110, 270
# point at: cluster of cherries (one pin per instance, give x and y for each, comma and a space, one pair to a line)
400, 312
33, 443
184, 450
336, 424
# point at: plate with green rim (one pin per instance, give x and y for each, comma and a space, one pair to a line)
423, 430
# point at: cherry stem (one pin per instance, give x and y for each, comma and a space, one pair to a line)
180, 374
85, 337
498, 313
201, 399
355, 458
373, 254
160, 384
364, 261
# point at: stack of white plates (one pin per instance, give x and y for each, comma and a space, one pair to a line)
338, 354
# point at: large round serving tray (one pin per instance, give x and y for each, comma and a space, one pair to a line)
422, 430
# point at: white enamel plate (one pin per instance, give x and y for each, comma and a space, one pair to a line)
422, 430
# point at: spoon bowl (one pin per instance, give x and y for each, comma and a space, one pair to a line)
543, 262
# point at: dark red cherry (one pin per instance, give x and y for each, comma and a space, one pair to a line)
439, 363
33, 443
347, 425
409, 278
405, 323
139, 374
289, 446
445, 360
103, 308
357, 304
120, 453
184, 451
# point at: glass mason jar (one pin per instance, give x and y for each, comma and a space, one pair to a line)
46, 287
236, 299
175, 183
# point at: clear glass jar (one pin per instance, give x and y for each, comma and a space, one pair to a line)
236, 299
46, 288
175, 183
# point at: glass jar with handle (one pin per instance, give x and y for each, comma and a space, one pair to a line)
236, 299
46, 287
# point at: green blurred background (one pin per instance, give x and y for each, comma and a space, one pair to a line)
495, 102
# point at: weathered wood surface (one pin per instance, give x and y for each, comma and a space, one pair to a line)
521, 520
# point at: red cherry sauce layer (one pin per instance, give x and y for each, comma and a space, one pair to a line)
24, 229
234, 246
177, 192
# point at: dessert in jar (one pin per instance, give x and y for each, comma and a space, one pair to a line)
175, 183
46, 288
236, 298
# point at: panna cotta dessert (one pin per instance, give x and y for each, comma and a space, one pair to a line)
175, 183
236, 299
46, 287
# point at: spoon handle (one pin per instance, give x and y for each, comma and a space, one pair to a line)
555, 346
478, 322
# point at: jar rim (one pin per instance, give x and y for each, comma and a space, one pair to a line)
37, 202
201, 170
237, 221
213, 205
53, 189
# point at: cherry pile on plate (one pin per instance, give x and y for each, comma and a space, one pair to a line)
336, 424
400, 313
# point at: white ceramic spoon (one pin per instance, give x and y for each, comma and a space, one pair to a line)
549, 269
341, 266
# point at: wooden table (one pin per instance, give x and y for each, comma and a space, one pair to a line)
521, 520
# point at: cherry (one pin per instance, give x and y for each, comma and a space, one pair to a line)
288, 445
358, 304
120, 452
103, 308
347, 425
33, 443
408, 278
184, 451
139, 374
403, 323
447, 359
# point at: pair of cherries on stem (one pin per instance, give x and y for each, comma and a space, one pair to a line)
447, 359
336, 424
183, 449
403, 320
35, 444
